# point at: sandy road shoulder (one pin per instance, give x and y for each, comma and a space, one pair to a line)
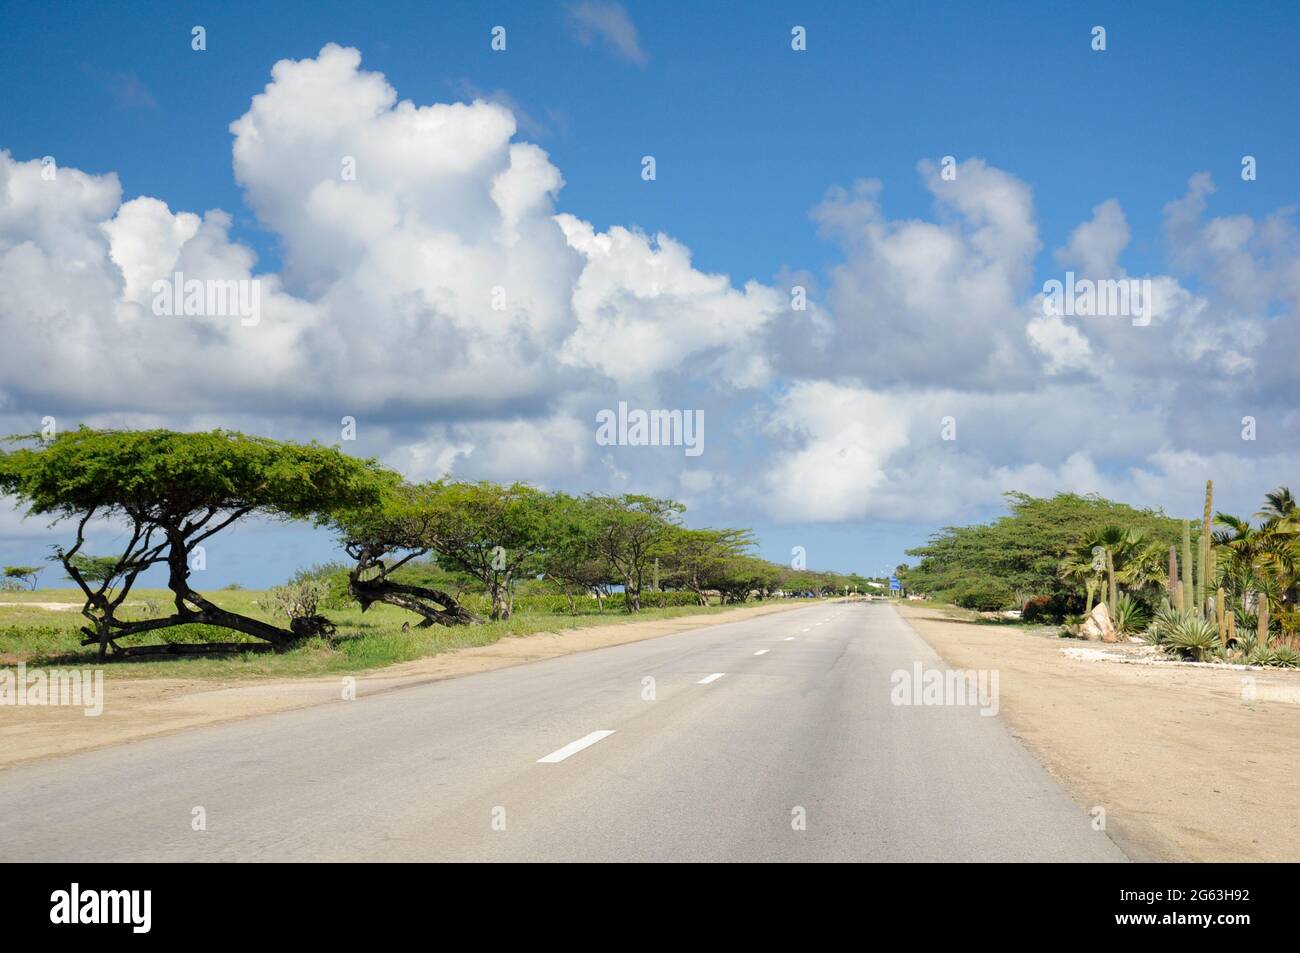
1187, 765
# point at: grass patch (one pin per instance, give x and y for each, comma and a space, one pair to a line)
374, 639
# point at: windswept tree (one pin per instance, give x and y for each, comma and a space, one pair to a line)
493, 533
24, 574
172, 492
701, 559
573, 561
632, 531
382, 538
741, 576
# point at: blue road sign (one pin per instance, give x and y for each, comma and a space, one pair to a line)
894, 584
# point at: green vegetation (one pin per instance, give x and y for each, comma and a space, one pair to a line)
1196, 591
1051, 551
453, 554
1251, 581
15, 576
174, 491
382, 636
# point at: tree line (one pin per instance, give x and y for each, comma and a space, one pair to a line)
1225, 586
175, 491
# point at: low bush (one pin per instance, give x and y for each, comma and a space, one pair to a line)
986, 595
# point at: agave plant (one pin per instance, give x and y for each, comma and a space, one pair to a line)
1284, 656
1131, 617
1245, 641
1166, 620
1261, 655
1191, 635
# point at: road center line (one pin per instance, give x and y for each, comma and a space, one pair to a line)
762, 652
710, 678
573, 747
788, 638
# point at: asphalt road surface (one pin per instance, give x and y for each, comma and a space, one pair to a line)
772, 739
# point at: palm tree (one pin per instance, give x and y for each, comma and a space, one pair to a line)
1263, 560
1080, 566
1240, 540
1134, 560
1279, 505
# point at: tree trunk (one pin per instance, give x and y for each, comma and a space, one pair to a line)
435, 606
1113, 588
193, 648
500, 602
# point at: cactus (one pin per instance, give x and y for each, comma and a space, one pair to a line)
1174, 589
1221, 617
1189, 592
1207, 581
1232, 626
1261, 637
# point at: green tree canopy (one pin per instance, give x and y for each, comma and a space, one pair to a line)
382, 538
633, 530
174, 491
27, 574
989, 565
493, 533
704, 559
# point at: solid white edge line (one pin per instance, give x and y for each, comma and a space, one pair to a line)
710, 678
573, 747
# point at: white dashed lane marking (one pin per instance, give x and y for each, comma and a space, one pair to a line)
573, 747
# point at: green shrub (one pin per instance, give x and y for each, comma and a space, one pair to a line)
986, 595
1190, 635
39, 639
1260, 655
1286, 657
1131, 616
338, 595
299, 598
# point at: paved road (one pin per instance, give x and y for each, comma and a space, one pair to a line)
573, 760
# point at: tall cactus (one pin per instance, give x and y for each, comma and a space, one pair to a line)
1261, 635
1220, 617
1189, 591
1175, 589
1207, 581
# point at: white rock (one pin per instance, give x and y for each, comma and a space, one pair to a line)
1098, 627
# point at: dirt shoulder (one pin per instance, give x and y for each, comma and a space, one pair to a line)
141, 708
1185, 766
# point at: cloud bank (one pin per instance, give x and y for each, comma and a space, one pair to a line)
433, 287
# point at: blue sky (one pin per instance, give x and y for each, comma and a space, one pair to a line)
748, 137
